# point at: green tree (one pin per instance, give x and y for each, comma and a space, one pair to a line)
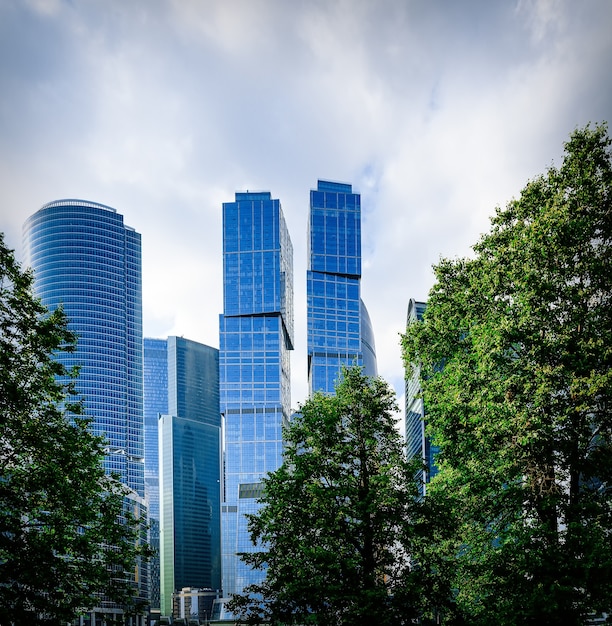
66, 535
515, 353
333, 517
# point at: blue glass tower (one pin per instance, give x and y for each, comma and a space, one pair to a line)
190, 471
339, 328
87, 260
256, 335
155, 404
417, 443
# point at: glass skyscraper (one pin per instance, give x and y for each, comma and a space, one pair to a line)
339, 328
155, 404
87, 260
417, 443
256, 335
189, 438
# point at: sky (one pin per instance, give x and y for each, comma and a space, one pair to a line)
436, 111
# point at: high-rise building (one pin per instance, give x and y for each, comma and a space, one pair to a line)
339, 328
189, 471
155, 404
85, 259
418, 444
256, 335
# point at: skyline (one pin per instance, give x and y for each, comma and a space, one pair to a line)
434, 114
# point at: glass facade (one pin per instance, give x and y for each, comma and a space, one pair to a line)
255, 335
417, 443
190, 471
87, 260
368, 349
155, 404
339, 328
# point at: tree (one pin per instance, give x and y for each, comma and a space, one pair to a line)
515, 353
333, 517
66, 537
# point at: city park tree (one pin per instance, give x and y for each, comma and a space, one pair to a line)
515, 353
333, 517
66, 538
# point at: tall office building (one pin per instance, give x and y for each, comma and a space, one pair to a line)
417, 443
339, 328
256, 335
87, 260
155, 404
190, 472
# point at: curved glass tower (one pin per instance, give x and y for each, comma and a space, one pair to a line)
87, 260
339, 328
368, 348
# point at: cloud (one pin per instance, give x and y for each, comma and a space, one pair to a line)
435, 112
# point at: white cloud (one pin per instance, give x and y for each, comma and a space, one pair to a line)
45, 7
163, 109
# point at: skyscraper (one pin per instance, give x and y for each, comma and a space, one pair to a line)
339, 328
417, 442
155, 404
190, 471
85, 259
256, 335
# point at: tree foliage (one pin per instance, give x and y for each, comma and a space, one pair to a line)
334, 516
66, 538
515, 353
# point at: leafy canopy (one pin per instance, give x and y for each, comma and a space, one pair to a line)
66, 537
334, 517
515, 353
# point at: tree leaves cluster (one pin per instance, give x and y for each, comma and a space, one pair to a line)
515, 352
333, 517
67, 538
